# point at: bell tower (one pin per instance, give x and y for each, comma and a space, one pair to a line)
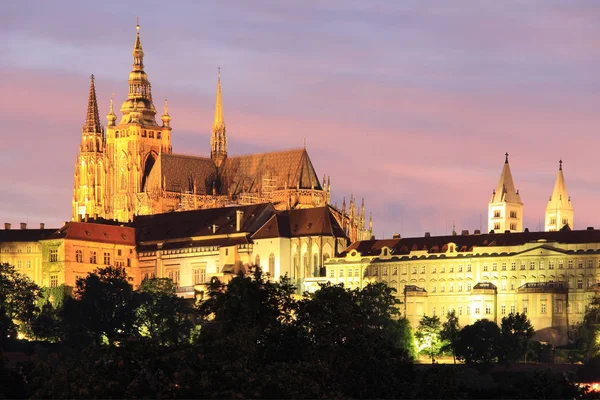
135, 142
559, 211
90, 178
505, 210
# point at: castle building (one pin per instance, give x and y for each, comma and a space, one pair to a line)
505, 210
559, 211
550, 276
130, 168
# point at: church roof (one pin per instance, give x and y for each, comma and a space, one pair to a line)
318, 221
185, 225
560, 199
505, 191
181, 172
277, 170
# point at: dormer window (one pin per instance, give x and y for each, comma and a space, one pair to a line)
385, 252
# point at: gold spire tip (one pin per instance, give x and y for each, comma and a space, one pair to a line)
137, 23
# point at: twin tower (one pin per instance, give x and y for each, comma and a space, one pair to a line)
505, 211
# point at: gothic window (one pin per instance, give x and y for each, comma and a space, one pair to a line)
316, 265
123, 185
306, 265
272, 265
297, 265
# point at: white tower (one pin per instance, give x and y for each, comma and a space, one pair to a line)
505, 211
559, 211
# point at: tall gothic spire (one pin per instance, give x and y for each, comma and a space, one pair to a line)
92, 120
218, 141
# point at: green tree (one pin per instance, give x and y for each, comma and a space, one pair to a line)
589, 330
354, 335
449, 333
18, 297
47, 325
428, 335
516, 334
103, 308
478, 343
161, 315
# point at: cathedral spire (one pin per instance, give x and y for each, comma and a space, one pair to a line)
92, 120
559, 211
218, 141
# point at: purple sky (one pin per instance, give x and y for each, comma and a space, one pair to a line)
409, 104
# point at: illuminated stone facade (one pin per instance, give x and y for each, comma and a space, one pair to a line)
130, 169
549, 275
79, 248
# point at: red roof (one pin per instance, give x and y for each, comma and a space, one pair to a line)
96, 233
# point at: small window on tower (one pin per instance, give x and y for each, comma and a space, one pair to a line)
144, 134
497, 214
496, 226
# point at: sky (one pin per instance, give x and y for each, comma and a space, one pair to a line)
410, 105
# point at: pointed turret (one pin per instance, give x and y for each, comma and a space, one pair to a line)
166, 118
92, 120
218, 141
111, 117
559, 211
92, 132
505, 207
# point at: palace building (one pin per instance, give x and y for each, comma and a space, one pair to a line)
130, 168
550, 275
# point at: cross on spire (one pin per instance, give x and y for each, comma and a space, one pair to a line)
506, 154
560, 164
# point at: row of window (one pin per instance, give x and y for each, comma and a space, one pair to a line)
20, 264
13, 249
503, 266
558, 308
498, 214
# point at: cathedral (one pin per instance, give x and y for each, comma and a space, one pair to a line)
130, 168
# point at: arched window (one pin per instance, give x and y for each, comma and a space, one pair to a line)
306, 265
123, 179
272, 266
316, 265
257, 260
297, 265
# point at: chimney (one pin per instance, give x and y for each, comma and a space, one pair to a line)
239, 215
42, 225
23, 225
590, 228
96, 216
465, 232
477, 232
7, 226
396, 236
427, 234
87, 216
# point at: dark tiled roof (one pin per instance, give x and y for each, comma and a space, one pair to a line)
187, 224
182, 172
249, 173
95, 232
317, 221
25, 235
219, 242
464, 243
